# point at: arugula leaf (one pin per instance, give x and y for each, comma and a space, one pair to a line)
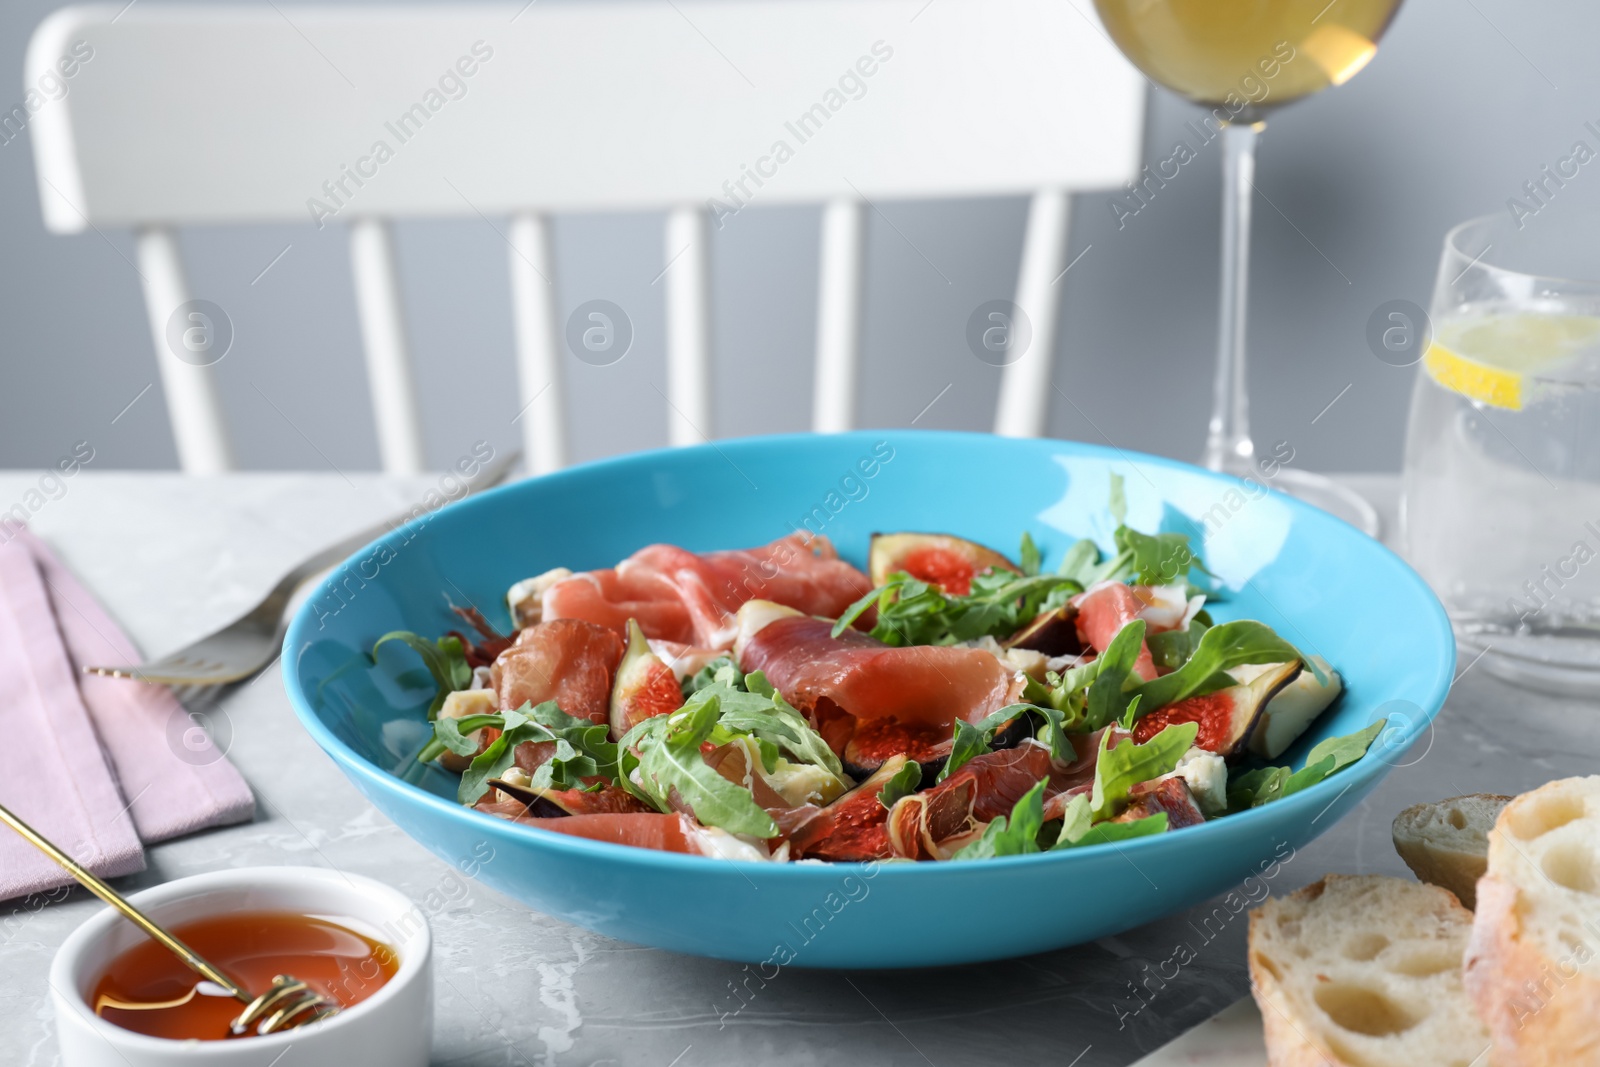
671, 767
1104, 832
451, 735
1074, 822
1015, 835
1171, 649
761, 712
1077, 831
904, 782
582, 749
1108, 694
1251, 789
1131, 716
1220, 649
1028, 555
445, 659
1119, 769
1266, 784
969, 740
722, 669
1157, 559
882, 596
1080, 562
1347, 749
914, 612
974, 739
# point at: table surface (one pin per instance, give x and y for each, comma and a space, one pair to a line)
172, 558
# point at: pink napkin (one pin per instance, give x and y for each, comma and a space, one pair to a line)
95, 764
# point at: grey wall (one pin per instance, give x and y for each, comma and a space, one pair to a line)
1464, 103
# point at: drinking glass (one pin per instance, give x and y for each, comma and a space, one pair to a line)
1242, 59
1501, 504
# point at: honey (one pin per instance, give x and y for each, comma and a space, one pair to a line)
249, 947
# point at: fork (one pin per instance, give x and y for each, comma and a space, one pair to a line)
252, 641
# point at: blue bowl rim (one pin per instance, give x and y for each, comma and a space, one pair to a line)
1363, 772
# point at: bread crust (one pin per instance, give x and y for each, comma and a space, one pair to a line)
1540, 1012
1436, 859
1287, 1045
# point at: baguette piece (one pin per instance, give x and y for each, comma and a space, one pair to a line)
1447, 843
1533, 961
1364, 971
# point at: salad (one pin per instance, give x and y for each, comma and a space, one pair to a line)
950, 704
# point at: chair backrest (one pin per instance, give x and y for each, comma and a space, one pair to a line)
359, 115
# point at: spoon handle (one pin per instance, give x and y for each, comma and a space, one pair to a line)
94, 885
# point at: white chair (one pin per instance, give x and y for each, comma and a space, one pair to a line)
227, 113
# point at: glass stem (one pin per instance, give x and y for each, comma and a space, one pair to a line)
1228, 444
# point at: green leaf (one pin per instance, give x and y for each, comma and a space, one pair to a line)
1308, 776
1131, 716
1251, 789
722, 669
1158, 559
904, 782
880, 596
1171, 649
913, 612
1347, 749
1110, 692
1119, 769
670, 763
1267, 784
445, 659
1106, 832
969, 740
1028, 556
1074, 822
762, 713
1077, 831
1220, 649
1119, 500
1016, 835
1080, 562
452, 733
583, 750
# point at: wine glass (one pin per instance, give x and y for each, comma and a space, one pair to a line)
1243, 59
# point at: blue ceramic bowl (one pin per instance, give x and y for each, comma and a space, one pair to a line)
1322, 584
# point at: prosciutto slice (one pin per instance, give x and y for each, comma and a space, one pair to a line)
568, 661
1106, 608
679, 596
862, 677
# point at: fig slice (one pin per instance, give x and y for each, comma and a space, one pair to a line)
513, 799
644, 688
874, 741
852, 827
1226, 717
944, 560
1054, 633
1170, 795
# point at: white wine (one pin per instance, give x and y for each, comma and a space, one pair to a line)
1246, 57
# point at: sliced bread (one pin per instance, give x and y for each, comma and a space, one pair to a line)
1447, 844
1364, 971
1533, 962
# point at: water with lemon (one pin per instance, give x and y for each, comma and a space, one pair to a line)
1502, 482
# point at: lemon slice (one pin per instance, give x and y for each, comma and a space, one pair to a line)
1492, 359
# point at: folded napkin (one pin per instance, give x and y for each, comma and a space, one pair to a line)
97, 765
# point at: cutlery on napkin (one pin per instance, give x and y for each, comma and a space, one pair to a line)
94, 763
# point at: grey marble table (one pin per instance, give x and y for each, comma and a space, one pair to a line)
172, 558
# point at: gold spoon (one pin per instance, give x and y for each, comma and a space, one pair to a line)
288, 1004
